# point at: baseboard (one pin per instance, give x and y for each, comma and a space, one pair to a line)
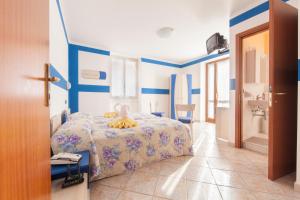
297, 187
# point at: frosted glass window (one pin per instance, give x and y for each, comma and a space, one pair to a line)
223, 84
123, 77
117, 77
130, 78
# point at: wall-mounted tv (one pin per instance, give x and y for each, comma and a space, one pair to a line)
216, 41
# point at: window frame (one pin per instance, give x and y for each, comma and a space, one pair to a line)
124, 76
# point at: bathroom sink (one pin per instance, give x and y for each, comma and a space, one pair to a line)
258, 104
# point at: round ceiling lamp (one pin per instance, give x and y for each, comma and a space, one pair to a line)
165, 32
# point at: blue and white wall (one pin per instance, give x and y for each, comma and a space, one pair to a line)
154, 78
93, 96
58, 59
245, 19
197, 68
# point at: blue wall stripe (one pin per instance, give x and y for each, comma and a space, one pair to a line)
73, 75
173, 82
62, 20
250, 13
299, 70
93, 88
73, 78
155, 91
203, 59
196, 91
189, 89
91, 50
232, 84
62, 83
157, 62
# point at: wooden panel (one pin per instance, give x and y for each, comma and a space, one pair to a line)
283, 80
24, 120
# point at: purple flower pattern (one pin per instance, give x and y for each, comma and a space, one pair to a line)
111, 155
150, 150
133, 144
178, 142
165, 155
148, 132
164, 138
131, 165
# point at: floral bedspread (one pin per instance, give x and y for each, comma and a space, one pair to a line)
115, 151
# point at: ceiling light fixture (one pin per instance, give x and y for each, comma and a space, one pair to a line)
165, 32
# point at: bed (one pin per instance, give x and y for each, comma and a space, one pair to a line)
116, 151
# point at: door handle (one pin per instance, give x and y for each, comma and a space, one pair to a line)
46, 80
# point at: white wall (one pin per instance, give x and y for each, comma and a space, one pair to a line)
59, 59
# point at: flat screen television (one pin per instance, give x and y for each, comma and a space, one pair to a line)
216, 41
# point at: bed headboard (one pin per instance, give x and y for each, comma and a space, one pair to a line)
56, 121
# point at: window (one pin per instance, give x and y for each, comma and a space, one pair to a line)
223, 83
123, 77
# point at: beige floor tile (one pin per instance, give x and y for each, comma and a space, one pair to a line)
260, 183
217, 163
201, 174
228, 178
116, 181
268, 196
125, 195
198, 161
171, 188
101, 192
169, 168
229, 193
202, 191
158, 198
142, 183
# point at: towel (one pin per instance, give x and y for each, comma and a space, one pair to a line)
110, 114
123, 123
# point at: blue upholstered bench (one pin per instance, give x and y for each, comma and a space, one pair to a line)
61, 171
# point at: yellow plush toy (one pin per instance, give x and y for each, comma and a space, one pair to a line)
122, 123
110, 114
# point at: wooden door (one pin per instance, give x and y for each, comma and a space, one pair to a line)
283, 87
211, 92
24, 118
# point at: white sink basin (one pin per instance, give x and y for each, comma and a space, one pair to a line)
258, 104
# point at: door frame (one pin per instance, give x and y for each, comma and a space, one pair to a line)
215, 62
239, 79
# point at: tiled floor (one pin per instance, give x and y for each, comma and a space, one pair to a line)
217, 171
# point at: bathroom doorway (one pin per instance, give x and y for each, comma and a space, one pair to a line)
276, 100
255, 91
